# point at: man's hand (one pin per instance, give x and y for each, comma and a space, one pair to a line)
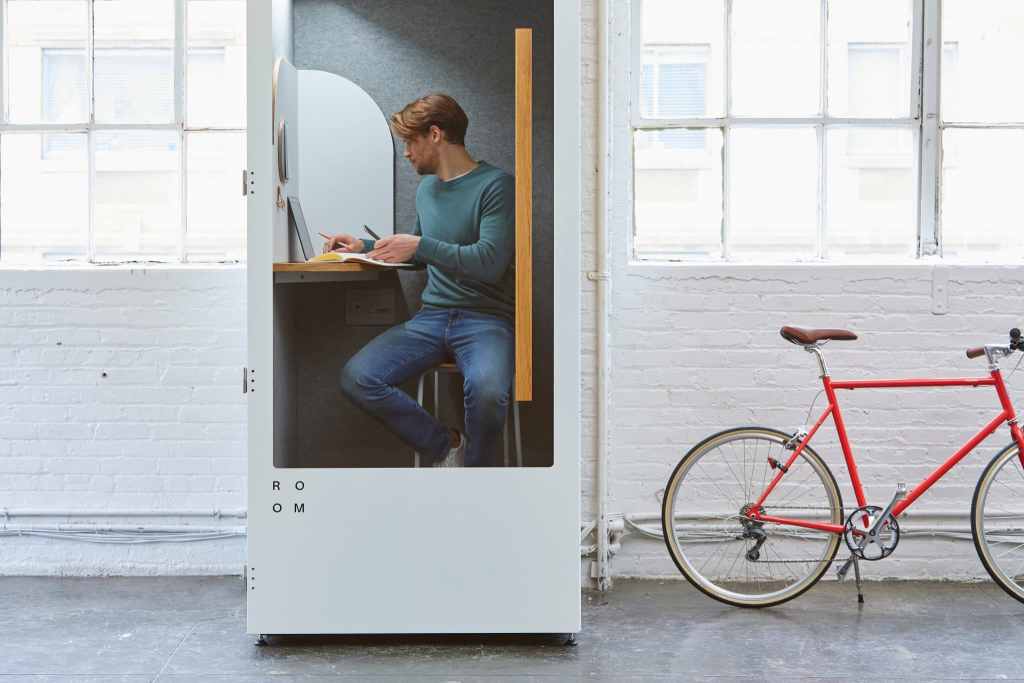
343, 242
395, 248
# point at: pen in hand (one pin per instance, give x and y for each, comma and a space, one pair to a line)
339, 245
371, 233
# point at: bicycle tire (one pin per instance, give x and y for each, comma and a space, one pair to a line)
668, 517
981, 545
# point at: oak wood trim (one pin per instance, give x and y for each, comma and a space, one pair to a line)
524, 214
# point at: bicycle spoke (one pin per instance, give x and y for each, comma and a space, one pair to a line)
791, 495
1004, 554
733, 473
716, 485
785, 565
753, 466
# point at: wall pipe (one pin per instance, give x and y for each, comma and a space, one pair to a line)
7, 513
603, 284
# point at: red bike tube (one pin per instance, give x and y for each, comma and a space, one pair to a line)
1006, 415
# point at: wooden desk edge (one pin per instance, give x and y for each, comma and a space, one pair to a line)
328, 267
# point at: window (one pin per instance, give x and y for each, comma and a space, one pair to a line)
125, 131
813, 129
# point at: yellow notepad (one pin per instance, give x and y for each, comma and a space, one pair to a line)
349, 257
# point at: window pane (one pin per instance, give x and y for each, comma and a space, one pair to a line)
869, 58
986, 40
981, 217
137, 197
134, 61
216, 63
773, 192
776, 58
872, 193
216, 207
683, 70
46, 52
44, 215
678, 186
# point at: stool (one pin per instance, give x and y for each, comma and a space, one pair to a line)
452, 369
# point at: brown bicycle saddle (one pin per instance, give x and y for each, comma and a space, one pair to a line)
799, 335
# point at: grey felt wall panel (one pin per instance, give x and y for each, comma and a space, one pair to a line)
398, 50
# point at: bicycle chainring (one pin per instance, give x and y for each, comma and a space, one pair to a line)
867, 547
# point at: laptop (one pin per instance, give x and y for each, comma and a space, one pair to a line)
298, 223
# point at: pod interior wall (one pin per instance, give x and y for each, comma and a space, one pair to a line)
397, 50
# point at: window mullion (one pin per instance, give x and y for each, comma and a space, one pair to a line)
3, 61
916, 59
725, 191
822, 249
90, 77
180, 23
727, 70
637, 61
931, 133
821, 133
3, 89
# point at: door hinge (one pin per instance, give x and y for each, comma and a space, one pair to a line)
248, 380
248, 182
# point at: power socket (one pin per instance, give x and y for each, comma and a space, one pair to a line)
370, 307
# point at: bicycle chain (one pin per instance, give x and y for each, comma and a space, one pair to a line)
795, 507
793, 561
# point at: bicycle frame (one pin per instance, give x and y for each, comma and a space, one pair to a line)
1006, 415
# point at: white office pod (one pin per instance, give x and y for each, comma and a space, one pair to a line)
350, 529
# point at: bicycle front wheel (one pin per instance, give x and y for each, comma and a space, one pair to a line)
997, 521
722, 552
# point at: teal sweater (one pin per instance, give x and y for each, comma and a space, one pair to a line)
467, 240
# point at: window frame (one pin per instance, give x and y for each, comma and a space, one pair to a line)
91, 127
923, 120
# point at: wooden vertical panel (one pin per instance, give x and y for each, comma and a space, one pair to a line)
524, 214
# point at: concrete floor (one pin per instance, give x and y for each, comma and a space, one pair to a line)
192, 628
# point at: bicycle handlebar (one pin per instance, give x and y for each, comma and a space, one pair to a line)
1016, 344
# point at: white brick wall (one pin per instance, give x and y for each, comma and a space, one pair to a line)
120, 389
695, 349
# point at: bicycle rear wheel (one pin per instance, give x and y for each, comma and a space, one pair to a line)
720, 551
997, 521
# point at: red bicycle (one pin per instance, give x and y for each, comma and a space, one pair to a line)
753, 517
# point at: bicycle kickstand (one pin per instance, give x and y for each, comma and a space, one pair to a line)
856, 573
856, 576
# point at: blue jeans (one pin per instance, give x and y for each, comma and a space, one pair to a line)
481, 345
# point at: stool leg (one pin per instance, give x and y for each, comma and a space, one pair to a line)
419, 398
437, 394
519, 435
504, 437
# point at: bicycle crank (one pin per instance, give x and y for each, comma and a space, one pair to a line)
872, 533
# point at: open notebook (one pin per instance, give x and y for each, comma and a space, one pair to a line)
343, 257
298, 222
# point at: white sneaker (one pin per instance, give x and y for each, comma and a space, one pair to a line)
456, 456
